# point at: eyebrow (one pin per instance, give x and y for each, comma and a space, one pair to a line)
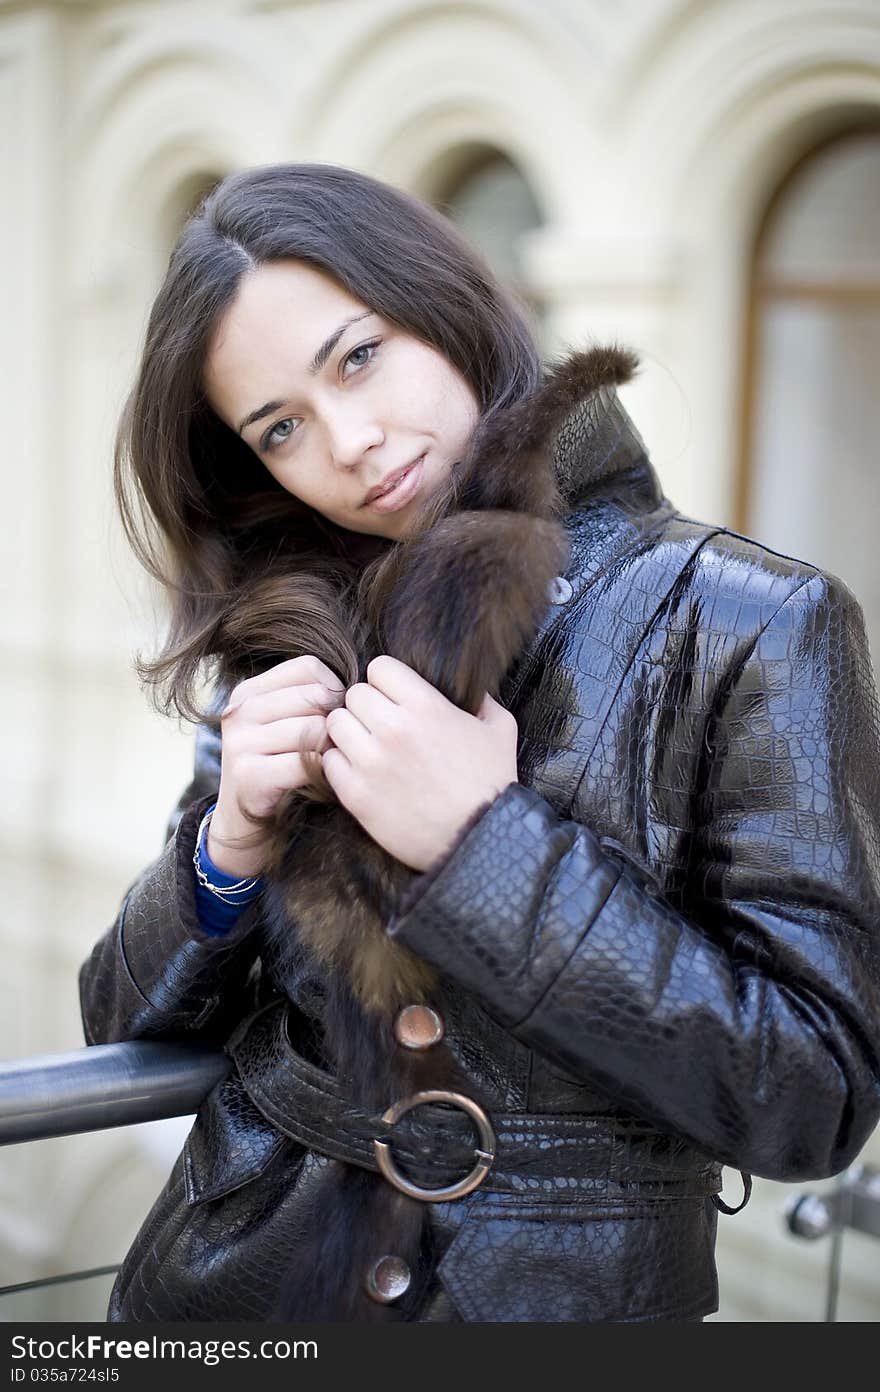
315, 366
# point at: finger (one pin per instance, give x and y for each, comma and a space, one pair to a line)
343, 779
375, 711
349, 735
493, 713
281, 772
288, 736
295, 670
398, 682
313, 697
338, 772
326, 742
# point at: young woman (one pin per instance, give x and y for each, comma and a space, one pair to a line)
531, 868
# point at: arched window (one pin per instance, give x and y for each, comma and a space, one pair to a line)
810, 478
489, 199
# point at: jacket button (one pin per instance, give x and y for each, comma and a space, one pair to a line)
560, 590
388, 1280
418, 1027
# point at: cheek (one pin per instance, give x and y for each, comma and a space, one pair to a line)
280, 475
442, 393
454, 410
460, 400
283, 474
465, 413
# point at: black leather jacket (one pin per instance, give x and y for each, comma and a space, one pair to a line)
659, 948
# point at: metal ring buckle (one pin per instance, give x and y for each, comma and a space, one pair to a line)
485, 1152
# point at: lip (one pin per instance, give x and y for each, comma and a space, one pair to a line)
408, 480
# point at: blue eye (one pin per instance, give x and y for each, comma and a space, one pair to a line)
278, 434
369, 348
284, 429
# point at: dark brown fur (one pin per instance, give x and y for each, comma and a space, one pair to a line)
457, 601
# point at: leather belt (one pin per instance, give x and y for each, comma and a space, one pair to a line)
560, 1154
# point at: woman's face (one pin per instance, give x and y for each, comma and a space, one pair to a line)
334, 399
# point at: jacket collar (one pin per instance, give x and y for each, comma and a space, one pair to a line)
571, 437
598, 454
612, 496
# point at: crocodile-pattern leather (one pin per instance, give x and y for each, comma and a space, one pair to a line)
663, 939
546, 1154
145, 983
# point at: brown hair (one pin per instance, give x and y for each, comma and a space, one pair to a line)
245, 564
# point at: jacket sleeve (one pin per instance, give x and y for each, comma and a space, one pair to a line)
750, 1023
155, 974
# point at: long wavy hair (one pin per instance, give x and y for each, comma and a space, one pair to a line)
252, 574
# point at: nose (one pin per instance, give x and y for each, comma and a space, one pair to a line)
350, 433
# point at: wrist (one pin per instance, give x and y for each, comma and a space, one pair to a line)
227, 847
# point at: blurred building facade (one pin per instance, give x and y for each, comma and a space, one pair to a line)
698, 181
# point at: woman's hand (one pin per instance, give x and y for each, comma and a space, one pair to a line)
410, 766
271, 721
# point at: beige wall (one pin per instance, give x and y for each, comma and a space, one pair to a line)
651, 134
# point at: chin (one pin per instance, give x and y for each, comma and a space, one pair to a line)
392, 526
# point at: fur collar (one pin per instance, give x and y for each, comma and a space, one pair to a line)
457, 600
575, 417
597, 440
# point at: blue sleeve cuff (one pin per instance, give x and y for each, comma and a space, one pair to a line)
216, 916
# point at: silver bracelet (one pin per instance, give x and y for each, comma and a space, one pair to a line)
228, 893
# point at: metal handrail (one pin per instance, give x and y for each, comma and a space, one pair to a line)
103, 1086
853, 1203
65, 1279
95, 1089
109, 1085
